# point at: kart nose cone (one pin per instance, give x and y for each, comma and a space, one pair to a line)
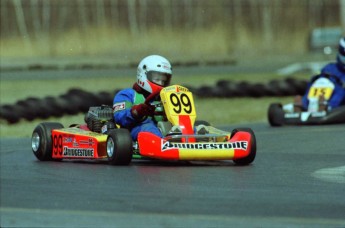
35, 141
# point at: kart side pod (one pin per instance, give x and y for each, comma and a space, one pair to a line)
241, 148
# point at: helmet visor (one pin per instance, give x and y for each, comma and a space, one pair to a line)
159, 78
342, 50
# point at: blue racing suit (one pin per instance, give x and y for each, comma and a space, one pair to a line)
123, 102
338, 97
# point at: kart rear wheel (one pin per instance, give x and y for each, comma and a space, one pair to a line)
41, 140
119, 147
275, 115
251, 156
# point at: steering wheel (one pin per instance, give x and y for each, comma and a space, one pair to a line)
150, 98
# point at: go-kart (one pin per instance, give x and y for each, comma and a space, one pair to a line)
321, 90
51, 141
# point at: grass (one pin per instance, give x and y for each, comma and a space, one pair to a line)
119, 43
216, 111
215, 43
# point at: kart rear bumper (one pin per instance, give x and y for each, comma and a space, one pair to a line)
277, 117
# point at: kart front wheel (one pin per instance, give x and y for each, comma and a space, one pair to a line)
203, 122
119, 147
41, 140
275, 115
252, 153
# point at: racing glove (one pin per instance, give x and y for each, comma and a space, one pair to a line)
142, 110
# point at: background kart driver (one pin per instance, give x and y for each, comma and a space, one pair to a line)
336, 69
130, 111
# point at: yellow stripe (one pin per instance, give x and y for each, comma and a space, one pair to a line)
206, 154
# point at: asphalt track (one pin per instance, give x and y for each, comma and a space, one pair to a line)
296, 180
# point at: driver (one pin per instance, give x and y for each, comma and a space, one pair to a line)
130, 111
336, 69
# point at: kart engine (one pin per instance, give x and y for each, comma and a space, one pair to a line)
98, 117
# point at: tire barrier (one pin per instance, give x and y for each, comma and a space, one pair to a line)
78, 101
73, 102
229, 89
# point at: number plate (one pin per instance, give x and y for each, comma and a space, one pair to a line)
177, 101
322, 86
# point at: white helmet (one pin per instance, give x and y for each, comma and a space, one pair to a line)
154, 73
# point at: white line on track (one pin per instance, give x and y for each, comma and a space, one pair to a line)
335, 174
31, 217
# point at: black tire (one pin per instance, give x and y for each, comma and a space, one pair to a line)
9, 113
252, 154
41, 140
337, 115
119, 147
275, 115
199, 122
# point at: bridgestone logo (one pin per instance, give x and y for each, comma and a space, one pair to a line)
77, 152
241, 145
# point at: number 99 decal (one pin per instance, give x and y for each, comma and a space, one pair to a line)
181, 103
57, 144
